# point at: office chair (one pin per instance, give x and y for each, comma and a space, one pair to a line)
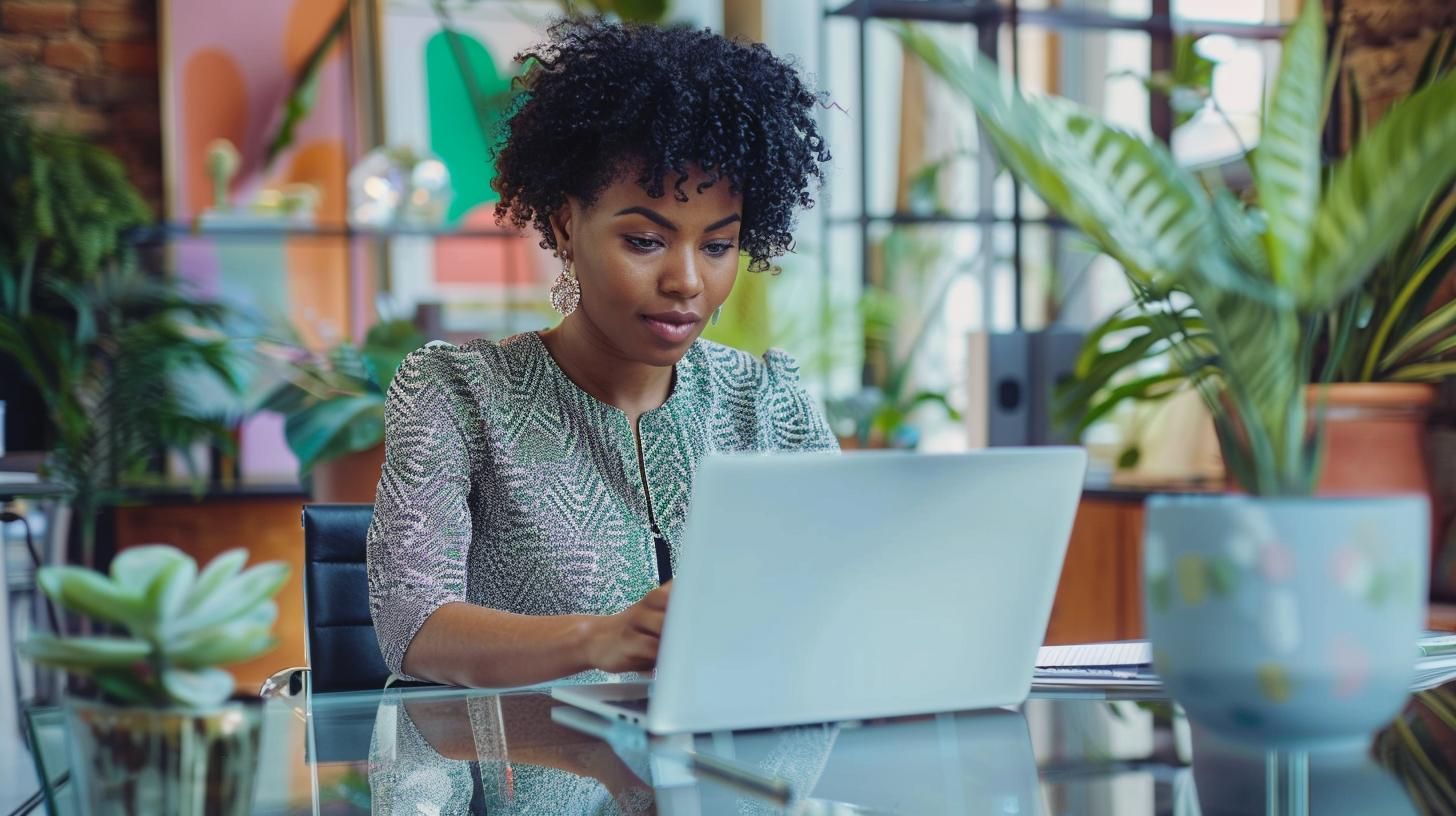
343, 652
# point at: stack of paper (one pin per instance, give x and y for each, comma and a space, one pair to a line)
1127, 665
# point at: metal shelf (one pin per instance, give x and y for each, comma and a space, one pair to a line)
992, 13
947, 219
164, 233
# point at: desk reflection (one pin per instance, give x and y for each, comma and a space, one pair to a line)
503, 755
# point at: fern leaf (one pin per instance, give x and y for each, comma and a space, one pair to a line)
1287, 162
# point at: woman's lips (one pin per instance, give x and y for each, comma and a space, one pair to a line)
672, 327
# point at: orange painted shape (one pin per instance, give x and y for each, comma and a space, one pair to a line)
505, 261
318, 268
213, 104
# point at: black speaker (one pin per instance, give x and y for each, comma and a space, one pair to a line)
1013, 377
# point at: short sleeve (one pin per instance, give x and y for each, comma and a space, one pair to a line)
419, 539
797, 424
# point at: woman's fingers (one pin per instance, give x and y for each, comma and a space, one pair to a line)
648, 621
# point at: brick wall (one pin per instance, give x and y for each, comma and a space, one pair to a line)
90, 67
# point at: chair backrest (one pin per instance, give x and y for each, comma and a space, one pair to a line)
343, 651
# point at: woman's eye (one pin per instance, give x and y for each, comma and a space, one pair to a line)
643, 244
719, 248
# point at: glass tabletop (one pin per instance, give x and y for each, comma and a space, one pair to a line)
451, 751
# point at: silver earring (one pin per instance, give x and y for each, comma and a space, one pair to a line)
566, 291
717, 313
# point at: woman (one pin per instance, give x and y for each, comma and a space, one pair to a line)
534, 490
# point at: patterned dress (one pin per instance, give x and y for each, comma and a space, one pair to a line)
506, 485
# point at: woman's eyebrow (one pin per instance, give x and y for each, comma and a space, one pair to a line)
651, 215
723, 222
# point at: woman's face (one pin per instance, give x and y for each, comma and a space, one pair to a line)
652, 270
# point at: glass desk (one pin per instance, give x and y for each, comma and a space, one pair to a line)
448, 751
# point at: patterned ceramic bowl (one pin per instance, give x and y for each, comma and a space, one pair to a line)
1287, 623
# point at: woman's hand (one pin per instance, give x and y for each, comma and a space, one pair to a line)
627, 641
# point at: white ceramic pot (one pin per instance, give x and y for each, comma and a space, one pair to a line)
1287, 623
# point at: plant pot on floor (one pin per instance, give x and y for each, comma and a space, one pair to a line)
1287, 623
132, 760
349, 479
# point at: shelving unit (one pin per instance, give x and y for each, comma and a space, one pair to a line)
988, 20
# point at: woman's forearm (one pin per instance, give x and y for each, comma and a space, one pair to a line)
467, 645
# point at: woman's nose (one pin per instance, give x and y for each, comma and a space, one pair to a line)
681, 275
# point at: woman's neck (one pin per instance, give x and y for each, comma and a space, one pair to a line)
593, 363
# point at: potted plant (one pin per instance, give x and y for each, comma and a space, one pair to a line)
334, 408
101, 342
1382, 346
66, 204
1276, 618
152, 728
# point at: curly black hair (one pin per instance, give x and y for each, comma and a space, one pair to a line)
602, 99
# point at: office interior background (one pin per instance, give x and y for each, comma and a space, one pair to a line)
308, 182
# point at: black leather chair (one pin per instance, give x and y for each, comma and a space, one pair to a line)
343, 651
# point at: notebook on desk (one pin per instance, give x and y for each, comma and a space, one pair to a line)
1129, 664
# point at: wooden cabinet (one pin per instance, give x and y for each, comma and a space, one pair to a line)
1099, 595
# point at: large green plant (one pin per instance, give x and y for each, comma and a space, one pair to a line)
333, 403
108, 366
101, 341
1261, 279
176, 625
65, 205
1389, 329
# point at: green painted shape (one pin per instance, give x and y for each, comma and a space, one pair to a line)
455, 131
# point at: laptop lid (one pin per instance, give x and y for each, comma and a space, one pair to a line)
818, 588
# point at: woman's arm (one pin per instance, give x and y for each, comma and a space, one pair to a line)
467, 645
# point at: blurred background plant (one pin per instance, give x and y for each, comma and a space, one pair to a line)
174, 626
101, 344
1264, 279
1399, 325
1420, 749
333, 401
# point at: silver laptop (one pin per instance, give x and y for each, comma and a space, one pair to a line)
822, 588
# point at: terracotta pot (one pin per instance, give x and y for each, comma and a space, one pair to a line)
349, 479
1376, 437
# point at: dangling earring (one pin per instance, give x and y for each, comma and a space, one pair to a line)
566, 291
717, 313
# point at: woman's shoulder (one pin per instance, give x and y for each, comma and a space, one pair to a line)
476, 365
741, 371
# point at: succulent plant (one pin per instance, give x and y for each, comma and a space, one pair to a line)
177, 625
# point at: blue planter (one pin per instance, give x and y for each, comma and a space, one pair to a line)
1287, 623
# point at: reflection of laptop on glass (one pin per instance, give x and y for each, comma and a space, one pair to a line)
820, 588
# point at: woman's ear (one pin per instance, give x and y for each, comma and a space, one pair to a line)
561, 229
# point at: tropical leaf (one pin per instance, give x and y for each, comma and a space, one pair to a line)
1287, 161
1375, 193
330, 429
1131, 199
1152, 388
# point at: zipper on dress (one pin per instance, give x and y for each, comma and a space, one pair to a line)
660, 546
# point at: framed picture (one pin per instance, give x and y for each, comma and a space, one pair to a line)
445, 80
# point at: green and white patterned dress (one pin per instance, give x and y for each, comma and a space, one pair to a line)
506, 485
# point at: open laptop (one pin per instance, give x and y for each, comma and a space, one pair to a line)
823, 588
